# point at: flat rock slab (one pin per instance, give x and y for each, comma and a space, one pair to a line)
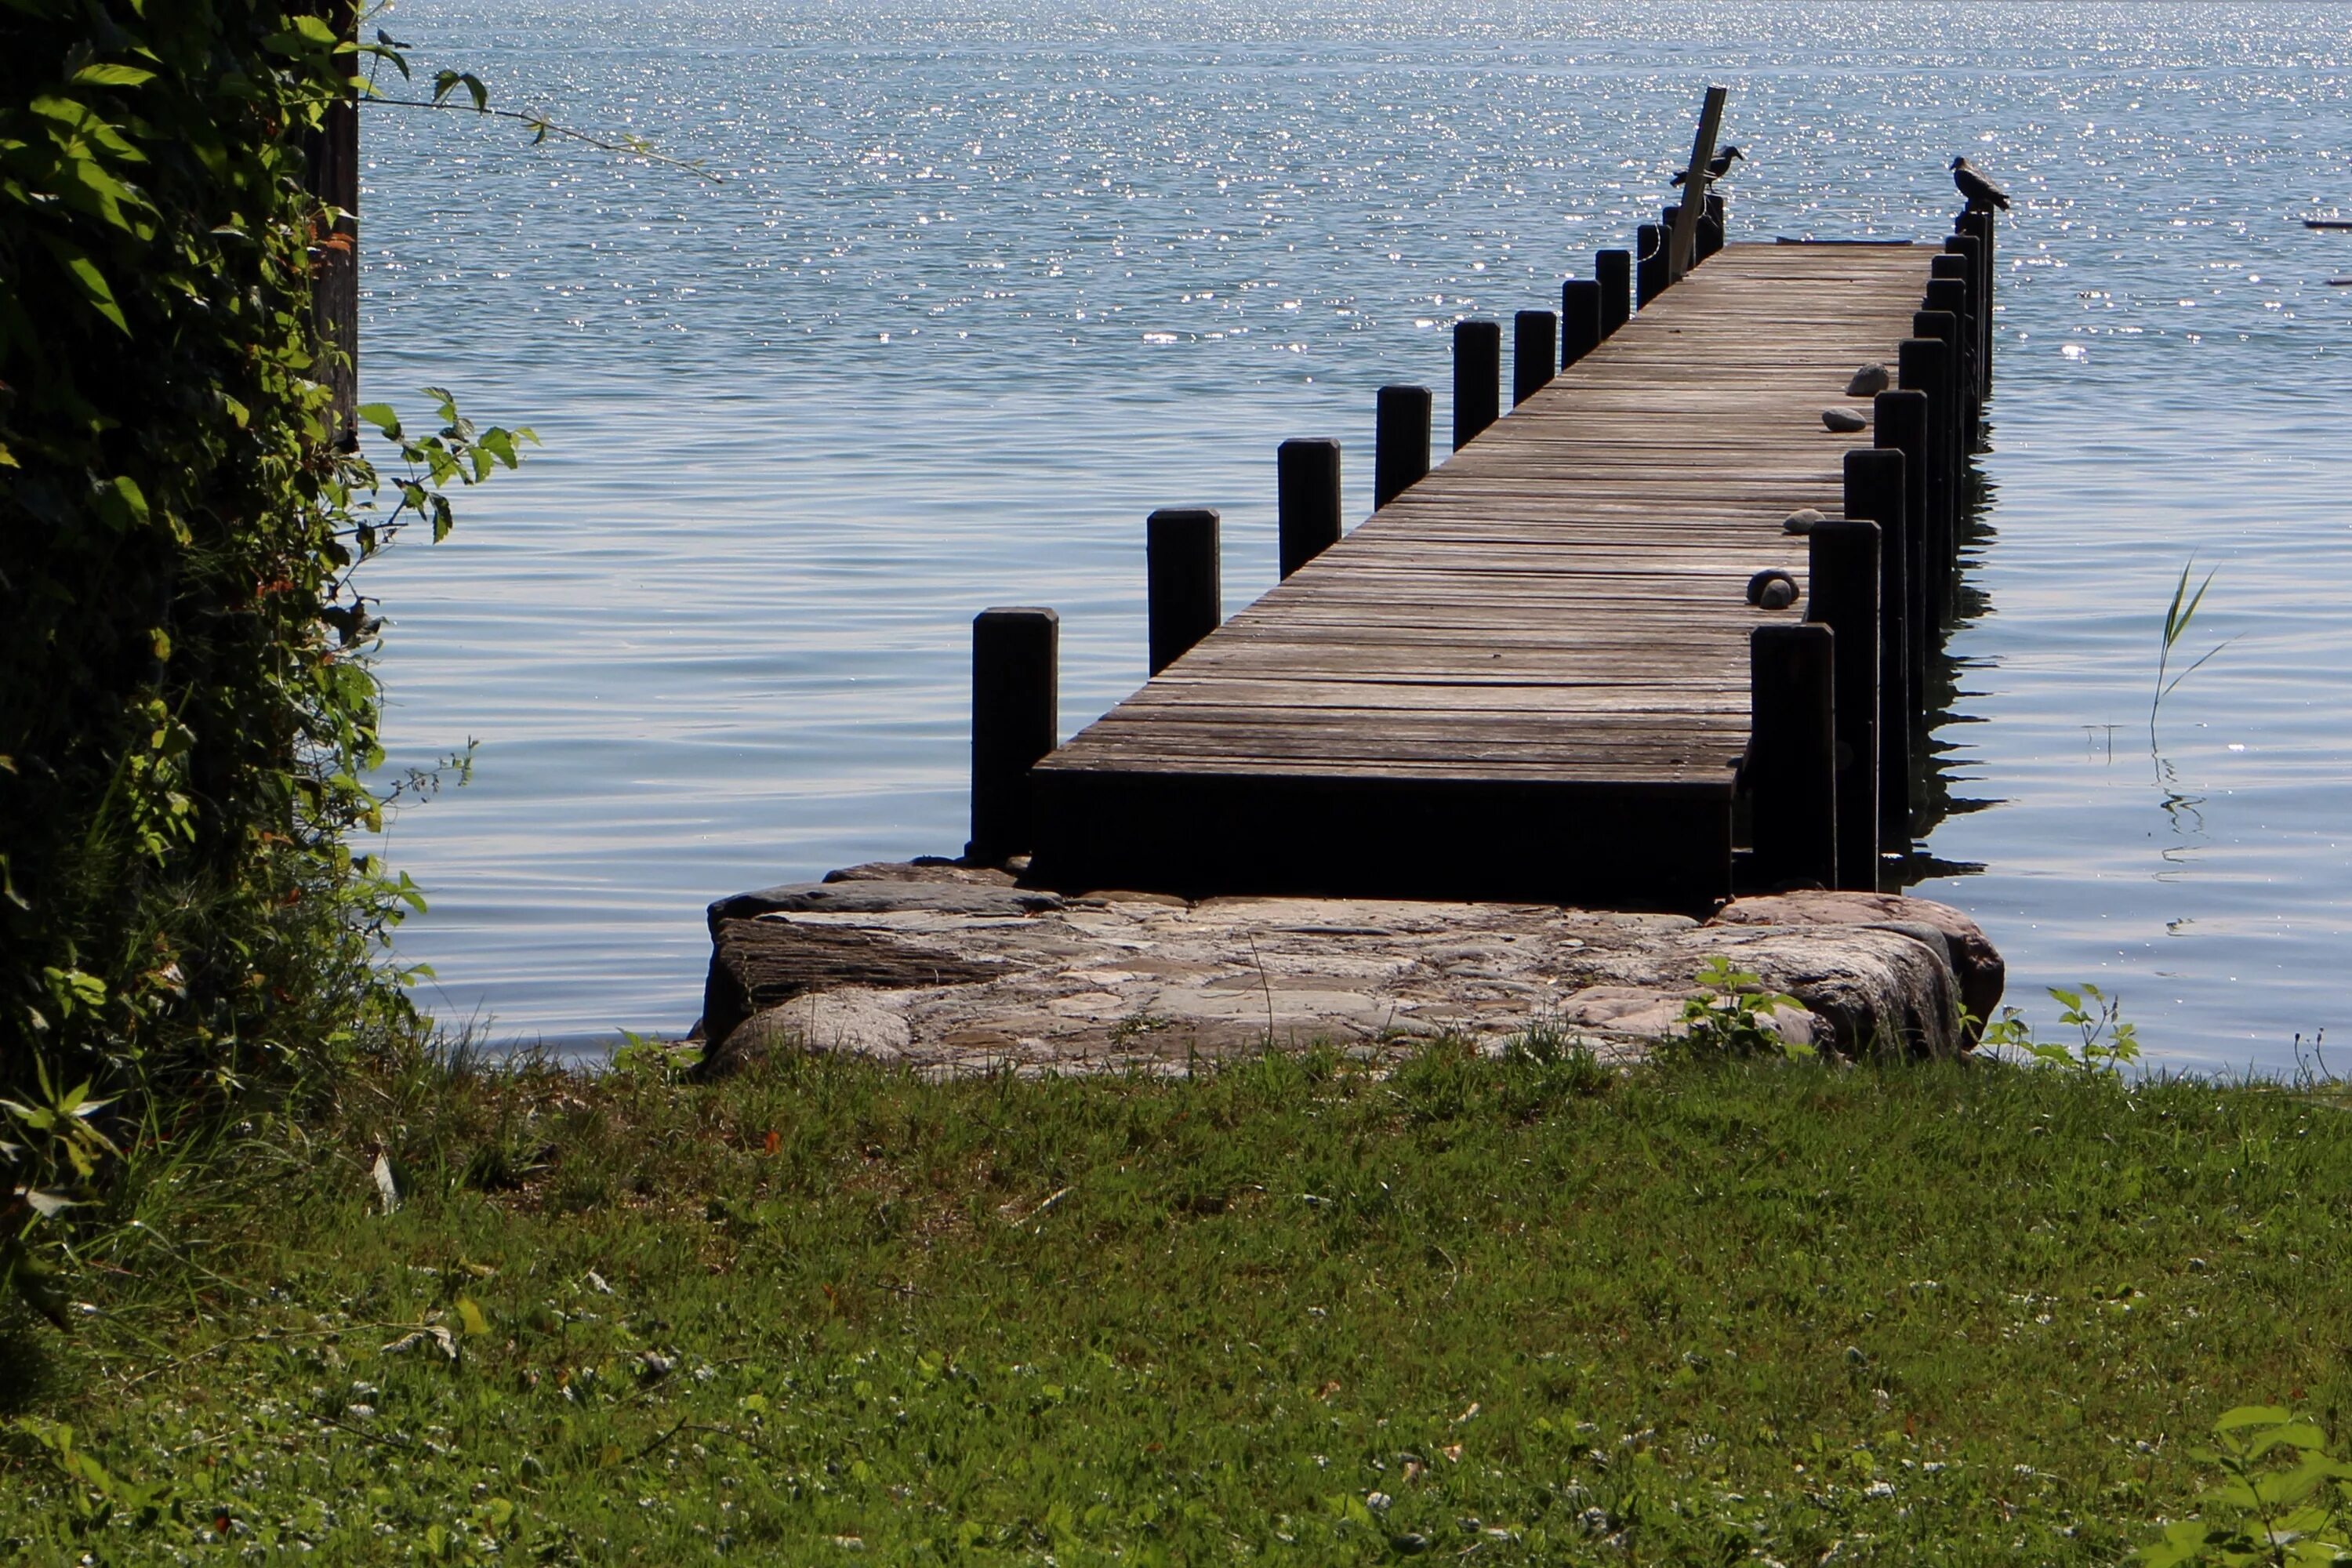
949, 971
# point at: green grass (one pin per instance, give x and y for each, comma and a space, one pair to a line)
1515, 1312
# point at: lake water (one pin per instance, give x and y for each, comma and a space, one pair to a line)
975, 295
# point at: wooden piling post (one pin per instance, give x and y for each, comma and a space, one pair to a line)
1401, 446
1613, 271
1924, 364
1535, 349
1580, 331
1874, 489
1791, 769
1016, 717
1951, 412
1711, 228
1949, 296
1183, 599
1477, 378
1969, 249
1843, 572
1306, 500
1899, 424
1649, 266
1981, 225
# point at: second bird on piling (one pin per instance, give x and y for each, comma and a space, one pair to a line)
1717, 166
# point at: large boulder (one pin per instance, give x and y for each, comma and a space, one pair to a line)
954, 972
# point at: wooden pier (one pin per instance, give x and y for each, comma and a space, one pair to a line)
1536, 671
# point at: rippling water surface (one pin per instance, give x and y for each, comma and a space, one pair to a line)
975, 295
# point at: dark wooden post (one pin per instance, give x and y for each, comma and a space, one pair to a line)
1949, 296
1015, 715
1791, 770
1613, 271
1969, 249
1650, 268
1183, 600
333, 177
1477, 378
1306, 500
1981, 225
1924, 365
1948, 412
1580, 331
1711, 227
1899, 424
1874, 489
1535, 349
1400, 443
1843, 572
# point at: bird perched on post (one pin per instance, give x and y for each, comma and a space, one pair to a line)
1981, 193
1717, 166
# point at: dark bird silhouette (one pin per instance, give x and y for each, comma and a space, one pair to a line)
1981, 193
1717, 166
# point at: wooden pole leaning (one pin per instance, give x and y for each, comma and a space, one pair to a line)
1899, 425
1535, 350
1401, 444
1682, 238
1649, 265
1477, 378
1841, 570
1924, 364
1790, 773
1306, 500
1874, 489
1015, 716
1613, 271
1182, 597
1580, 331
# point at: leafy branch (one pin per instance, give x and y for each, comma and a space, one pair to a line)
445, 82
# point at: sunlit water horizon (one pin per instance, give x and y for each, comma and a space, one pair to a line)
971, 297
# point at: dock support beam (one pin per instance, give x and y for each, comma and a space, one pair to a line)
1924, 365
1183, 599
1401, 449
1650, 274
1535, 340
1842, 566
1477, 378
1790, 773
1015, 715
1899, 424
1306, 500
1874, 489
1580, 319
1613, 271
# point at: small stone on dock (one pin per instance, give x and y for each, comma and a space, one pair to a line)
1869, 381
1801, 520
1844, 421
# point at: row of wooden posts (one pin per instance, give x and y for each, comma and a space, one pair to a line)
1835, 696
1847, 681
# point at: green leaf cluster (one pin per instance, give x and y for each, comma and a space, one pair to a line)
2280, 1500
187, 708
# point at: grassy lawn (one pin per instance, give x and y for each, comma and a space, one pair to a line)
1517, 1312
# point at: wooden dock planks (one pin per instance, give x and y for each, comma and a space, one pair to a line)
1527, 675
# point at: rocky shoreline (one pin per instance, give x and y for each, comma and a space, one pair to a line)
955, 968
